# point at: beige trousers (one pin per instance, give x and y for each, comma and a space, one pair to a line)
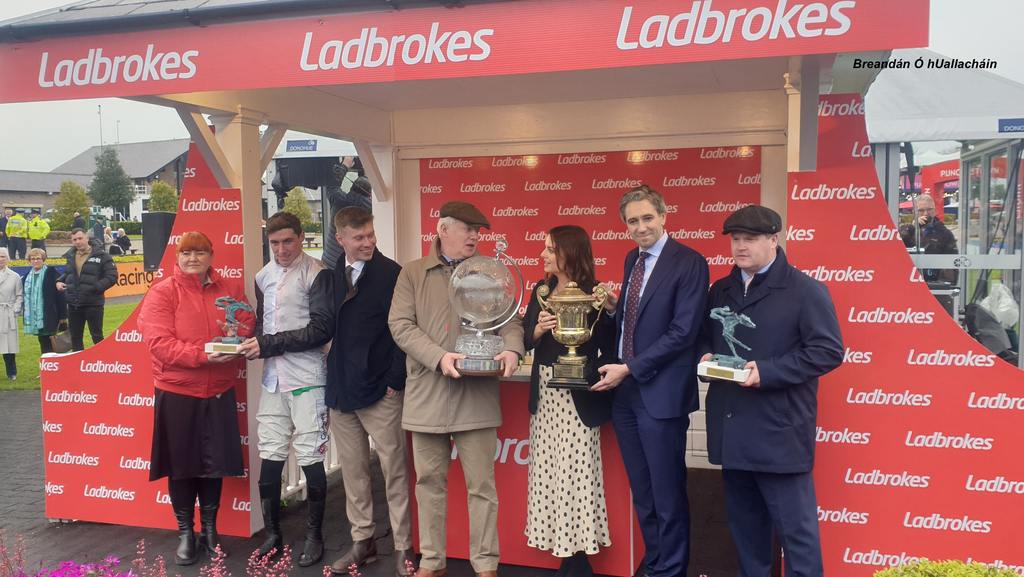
432, 457
383, 422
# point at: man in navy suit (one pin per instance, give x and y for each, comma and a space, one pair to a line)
761, 431
657, 321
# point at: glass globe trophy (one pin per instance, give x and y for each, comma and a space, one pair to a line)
485, 295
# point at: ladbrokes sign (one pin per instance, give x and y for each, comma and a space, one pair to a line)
918, 431
476, 40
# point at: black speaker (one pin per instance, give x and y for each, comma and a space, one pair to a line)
156, 230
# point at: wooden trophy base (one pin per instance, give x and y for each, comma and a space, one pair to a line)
472, 367
569, 376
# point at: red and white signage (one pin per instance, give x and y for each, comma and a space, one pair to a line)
98, 403
919, 429
525, 196
427, 43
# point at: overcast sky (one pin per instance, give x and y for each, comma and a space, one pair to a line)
43, 135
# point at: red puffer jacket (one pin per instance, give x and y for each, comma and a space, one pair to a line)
178, 318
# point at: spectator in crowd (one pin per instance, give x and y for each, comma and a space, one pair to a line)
88, 274
10, 308
123, 242
442, 405
195, 418
358, 195
38, 230
762, 430
290, 290
96, 232
365, 380
929, 235
45, 308
565, 505
79, 222
17, 230
656, 381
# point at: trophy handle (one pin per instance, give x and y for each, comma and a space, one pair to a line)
542, 292
500, 252
602, 296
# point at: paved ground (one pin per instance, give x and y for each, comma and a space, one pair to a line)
21, 513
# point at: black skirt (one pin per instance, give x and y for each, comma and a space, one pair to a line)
194, 437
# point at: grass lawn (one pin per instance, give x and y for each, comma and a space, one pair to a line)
28, 358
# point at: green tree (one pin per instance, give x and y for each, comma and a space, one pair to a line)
111, 186
296, 204
163, 197
71, 199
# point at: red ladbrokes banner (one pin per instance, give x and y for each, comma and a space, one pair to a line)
523, 197
98, 403
523, 37
919, 430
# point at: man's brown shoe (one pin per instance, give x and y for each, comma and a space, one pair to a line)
424, 572
361, 553
405, 563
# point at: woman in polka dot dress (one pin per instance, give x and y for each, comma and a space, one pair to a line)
566, 511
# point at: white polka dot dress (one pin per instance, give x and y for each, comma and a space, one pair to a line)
565, 507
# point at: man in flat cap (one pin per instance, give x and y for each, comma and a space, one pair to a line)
441, 405
762, 431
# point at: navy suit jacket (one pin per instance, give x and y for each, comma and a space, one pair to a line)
364, 359
669, 320
772, 428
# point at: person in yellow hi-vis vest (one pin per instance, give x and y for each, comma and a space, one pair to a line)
38, 230
17, 226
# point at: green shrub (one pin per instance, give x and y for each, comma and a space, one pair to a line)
314, 227
926, 568
129, 226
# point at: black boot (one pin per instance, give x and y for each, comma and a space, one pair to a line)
313, 548
186, 552
209, 537
270, 501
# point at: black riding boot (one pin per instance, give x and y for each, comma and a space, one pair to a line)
313, 548
270, 502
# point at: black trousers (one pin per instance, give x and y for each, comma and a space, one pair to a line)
77, 317
16, 245
45, 344
12, 368
39, 243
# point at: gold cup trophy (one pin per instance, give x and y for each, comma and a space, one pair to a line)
571, 308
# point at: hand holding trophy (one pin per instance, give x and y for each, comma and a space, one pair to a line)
571, 308
228, 344
727, 367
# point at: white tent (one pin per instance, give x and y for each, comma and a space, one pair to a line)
927, 104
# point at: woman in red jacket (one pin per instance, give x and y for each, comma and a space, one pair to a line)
196, 438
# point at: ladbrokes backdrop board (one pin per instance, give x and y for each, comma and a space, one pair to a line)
98, 404
919, 430
523, 197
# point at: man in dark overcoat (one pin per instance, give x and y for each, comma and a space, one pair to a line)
762, 431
